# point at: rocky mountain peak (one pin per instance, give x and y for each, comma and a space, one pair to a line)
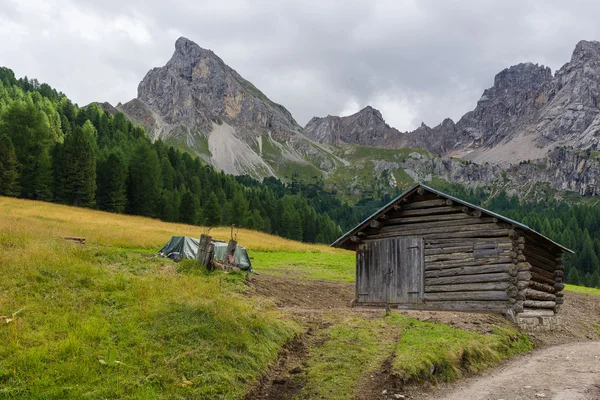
586, 50
522, 76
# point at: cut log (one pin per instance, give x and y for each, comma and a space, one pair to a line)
468, 287
560, 300
539, 304
524, 275
559, 274
541, 279
416, 229
559, 286
450, 280
375, 224
501, 241
545, 261
485, 269
467, 296
76, 239
538, 295
542, 287
355, 239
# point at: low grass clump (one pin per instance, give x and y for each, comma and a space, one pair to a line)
350, 349
336, 266
582, 289
437, 352
102, 321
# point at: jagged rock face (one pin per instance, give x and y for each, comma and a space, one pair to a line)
526, 113
196, 88
366, 128
198, 102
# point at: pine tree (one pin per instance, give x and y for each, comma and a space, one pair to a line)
595, 279
144, 180
212, 211
112, 183
189, 208
29, 130
239, 209
78, 173
574, 278
9, 168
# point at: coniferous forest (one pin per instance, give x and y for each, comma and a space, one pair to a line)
53, 150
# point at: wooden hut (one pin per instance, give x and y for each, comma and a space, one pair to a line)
429, 250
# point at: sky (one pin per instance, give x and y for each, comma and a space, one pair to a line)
415, 61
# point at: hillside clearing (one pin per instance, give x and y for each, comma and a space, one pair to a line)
103, 321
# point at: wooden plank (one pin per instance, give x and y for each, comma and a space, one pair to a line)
431, 211
449, 280
429, 251
395, 226
468, 287
428, 218
419, 230
467, 296
424, 204
540, 258
541, 272
486, 269
463, 263
501, 241
451, 235
490, 306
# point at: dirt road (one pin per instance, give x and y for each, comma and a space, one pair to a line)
563, 372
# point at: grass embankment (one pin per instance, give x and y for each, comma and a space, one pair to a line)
582, 290
353, 349
102, 322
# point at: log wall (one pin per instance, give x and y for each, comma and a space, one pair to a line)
473, 261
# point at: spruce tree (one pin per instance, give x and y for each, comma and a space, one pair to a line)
78, 173
212, 211
9, 168
144, 180
112, 183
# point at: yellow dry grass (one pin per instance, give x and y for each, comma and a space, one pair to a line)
41, 219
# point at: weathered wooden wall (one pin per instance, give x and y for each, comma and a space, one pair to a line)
472, 261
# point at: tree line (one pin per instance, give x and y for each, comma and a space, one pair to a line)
53, 150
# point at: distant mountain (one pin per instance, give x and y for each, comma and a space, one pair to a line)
198, 103
528, 112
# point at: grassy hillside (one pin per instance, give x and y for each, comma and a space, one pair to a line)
103, 321
100, 321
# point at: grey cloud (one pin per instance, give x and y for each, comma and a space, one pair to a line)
414, 60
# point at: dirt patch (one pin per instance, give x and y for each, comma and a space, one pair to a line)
295, 292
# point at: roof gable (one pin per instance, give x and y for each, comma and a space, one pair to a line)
342, 240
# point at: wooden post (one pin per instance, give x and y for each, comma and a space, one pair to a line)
230, 253
205, 251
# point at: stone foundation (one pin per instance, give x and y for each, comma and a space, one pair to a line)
538, 323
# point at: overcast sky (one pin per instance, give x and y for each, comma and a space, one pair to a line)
413, 60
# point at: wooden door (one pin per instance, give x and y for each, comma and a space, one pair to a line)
390, 271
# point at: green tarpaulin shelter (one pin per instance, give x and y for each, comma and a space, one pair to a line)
185, 247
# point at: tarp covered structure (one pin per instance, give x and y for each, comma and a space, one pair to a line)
185, 247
